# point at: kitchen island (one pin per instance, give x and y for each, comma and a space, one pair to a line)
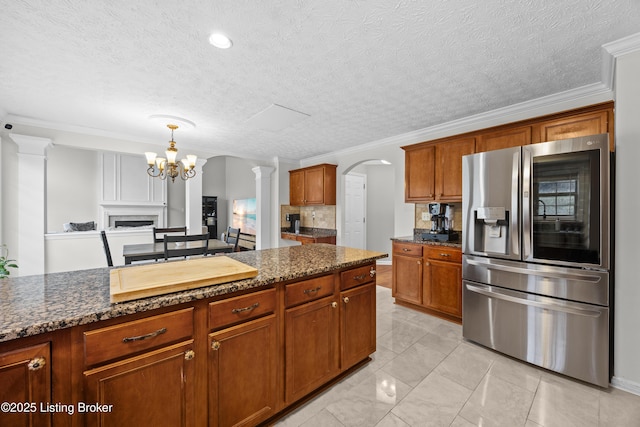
234, 353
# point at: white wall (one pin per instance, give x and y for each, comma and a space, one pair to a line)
627, 285
214, 183
380, 212
72, 186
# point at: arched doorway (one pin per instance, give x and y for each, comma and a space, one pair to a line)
367, 220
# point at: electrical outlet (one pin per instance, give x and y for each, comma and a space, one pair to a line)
287, 217
313, 214
425, 216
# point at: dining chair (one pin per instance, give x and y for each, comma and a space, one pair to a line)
184, 250
159, 233
233, 237
107, 251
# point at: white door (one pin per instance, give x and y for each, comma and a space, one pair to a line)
355, 211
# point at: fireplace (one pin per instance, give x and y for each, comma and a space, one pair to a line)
120, 216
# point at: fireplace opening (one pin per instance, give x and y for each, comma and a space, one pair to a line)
133, 223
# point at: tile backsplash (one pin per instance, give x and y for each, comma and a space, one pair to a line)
325, 216
420, 223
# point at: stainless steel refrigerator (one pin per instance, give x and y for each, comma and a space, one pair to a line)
537, 254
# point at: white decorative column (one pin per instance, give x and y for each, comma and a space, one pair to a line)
32, 177
193, 201
263, 206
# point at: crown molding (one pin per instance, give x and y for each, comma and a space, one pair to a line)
611, 52
573, 98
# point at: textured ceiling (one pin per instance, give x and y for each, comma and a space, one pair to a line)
362, 70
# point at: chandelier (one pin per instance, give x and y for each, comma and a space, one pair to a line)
159, 167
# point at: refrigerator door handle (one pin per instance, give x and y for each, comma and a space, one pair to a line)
515, 198
544, 305
529, 272
526, 203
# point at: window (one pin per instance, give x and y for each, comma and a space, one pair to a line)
557, 197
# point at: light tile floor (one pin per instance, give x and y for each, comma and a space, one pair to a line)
424, 374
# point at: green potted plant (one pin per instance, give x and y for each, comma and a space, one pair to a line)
5, 262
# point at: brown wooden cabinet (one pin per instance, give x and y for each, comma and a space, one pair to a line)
314, 185
237, 359
358, 324
419, 169
25, 384
243, 369
153, 389
433, 171
141, 372
585, 124
311, 346
429, 277
407, 272
505, 138
443, 280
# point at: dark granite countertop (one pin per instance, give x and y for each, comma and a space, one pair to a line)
311, 232
32, 305
418, 240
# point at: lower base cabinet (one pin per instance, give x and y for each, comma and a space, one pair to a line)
358, 324
243, 368
311, 347
428, 276
154, 389
25, 381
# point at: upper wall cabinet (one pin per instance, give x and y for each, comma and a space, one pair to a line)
314, 185
506, 138
591, 123
433, 171
125, 180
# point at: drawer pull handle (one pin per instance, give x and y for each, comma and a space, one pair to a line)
372, 272
360, 276
37, 363
240, 310
310, 291
445, 254
144, 337
406, 249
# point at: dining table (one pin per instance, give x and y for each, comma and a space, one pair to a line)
155, 251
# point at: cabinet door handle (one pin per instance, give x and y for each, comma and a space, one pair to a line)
310, 291
146, 336
334, 305
249, 308
37, 363
346, 300
215, 345
189, 355
372, 272
419, 262
360, 276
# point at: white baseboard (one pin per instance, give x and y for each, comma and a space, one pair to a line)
625, 385
383, 262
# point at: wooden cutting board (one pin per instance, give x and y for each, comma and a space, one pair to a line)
166, 277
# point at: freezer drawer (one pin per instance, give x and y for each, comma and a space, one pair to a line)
566, 337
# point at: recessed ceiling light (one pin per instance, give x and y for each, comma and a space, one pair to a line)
220, 41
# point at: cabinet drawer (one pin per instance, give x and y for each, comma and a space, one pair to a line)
408, 249
308, 290
445, 254
357, 276
128, 338
242, 308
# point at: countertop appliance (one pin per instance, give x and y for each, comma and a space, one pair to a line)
536, 254
441, 223
294, 219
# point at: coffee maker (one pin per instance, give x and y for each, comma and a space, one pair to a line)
294, 220
441, 223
